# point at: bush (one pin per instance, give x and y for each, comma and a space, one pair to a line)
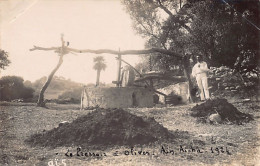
12, 87
72, 96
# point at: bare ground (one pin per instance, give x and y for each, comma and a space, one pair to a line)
240, 143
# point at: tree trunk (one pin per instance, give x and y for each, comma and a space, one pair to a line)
41, 102
187, 73
190, 85
98, 76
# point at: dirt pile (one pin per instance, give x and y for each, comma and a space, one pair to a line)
227, 112
103, 127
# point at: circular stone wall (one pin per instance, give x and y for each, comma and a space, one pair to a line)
113, 97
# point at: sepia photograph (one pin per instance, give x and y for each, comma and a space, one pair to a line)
129, 82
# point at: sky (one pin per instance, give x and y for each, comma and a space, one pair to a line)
86, 24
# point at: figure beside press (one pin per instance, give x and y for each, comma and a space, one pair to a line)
200, 72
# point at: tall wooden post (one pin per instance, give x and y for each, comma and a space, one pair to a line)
41, 102
119, 69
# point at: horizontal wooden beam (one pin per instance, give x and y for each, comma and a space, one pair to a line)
66, 50
126, 52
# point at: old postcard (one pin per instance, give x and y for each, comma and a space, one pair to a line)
140, 82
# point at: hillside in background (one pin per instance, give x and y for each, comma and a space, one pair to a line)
57, 87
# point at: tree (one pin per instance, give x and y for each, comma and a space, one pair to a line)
226, 32
12, 87
99, 65
223, 33
61, 51
4, 61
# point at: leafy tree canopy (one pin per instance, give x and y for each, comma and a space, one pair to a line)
99, 63
12, 87
4, 61
220, 32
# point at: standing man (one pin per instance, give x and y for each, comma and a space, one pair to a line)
200, 72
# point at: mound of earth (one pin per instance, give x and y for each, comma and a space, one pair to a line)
227, 112
103, 127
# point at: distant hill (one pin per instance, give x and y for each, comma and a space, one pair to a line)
57, 86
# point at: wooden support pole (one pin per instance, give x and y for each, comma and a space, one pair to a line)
119, 69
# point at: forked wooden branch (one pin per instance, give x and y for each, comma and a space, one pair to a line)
45, 49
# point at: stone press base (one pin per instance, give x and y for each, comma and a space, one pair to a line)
113, 97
